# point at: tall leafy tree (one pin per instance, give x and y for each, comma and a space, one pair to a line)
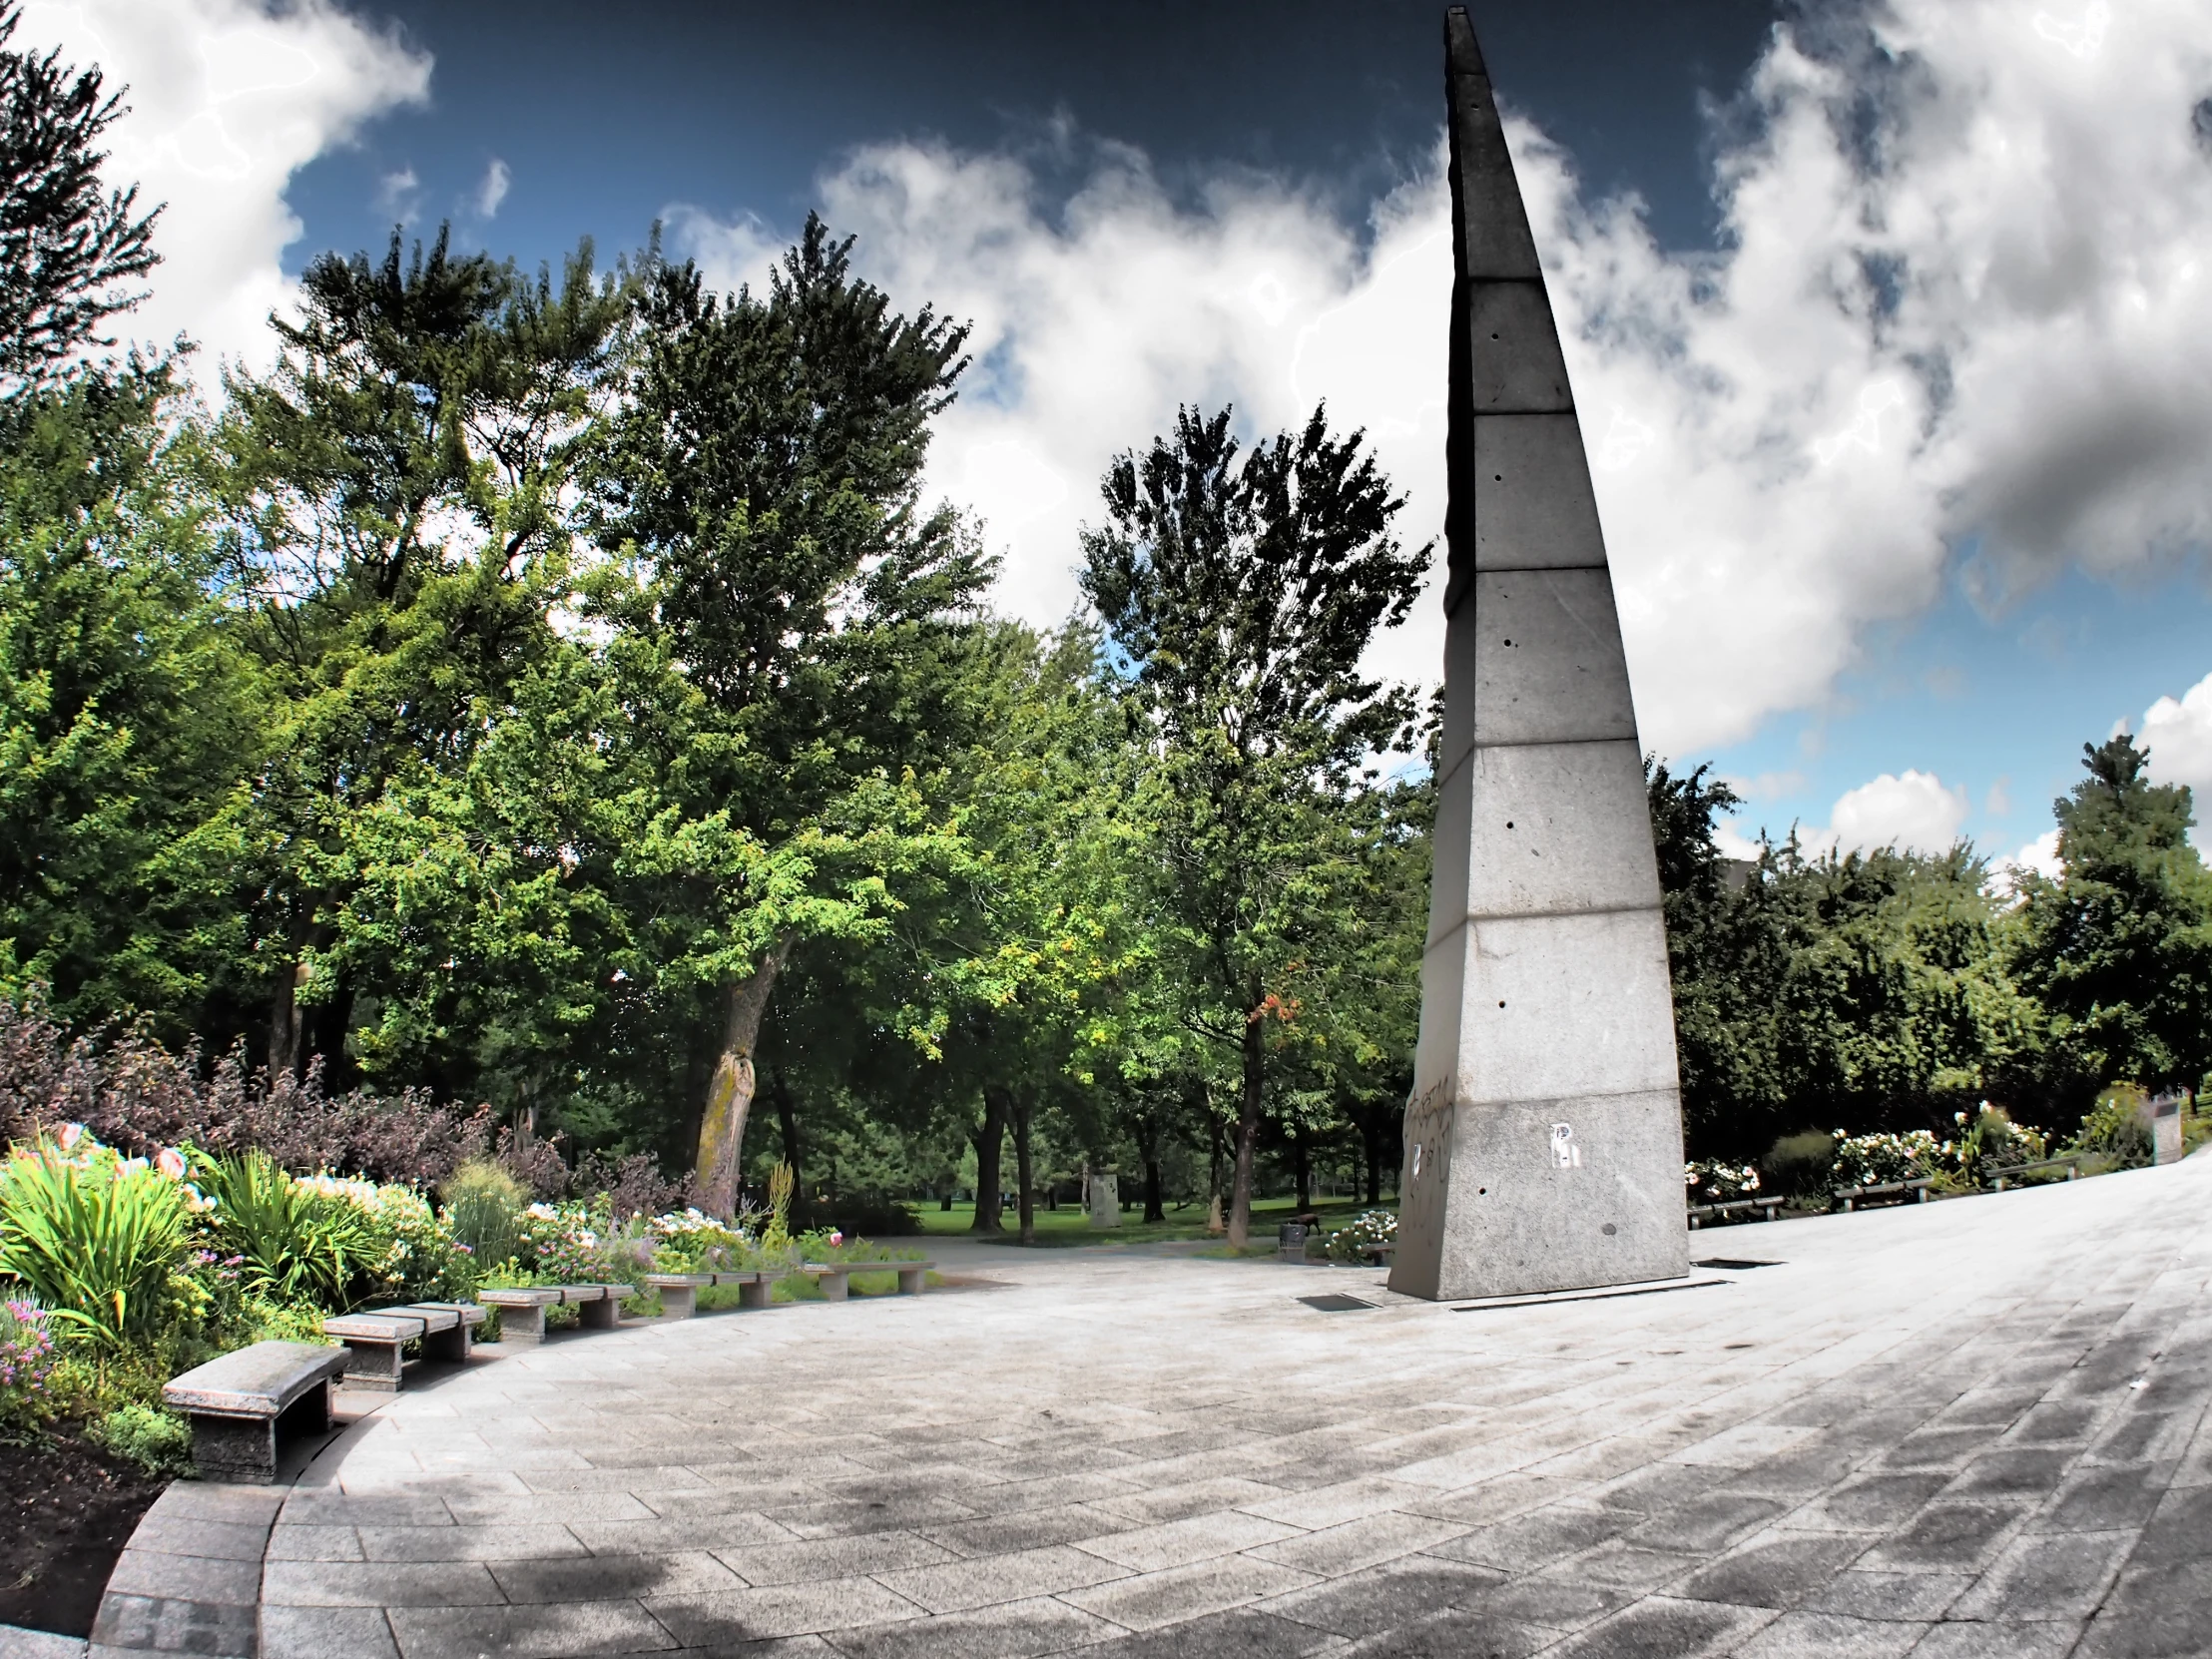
398, 486
784, 624
130, 715
1240, 591
2119, 947
71, 249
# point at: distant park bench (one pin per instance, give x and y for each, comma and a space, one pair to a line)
376, 1338
1899, 1191
2072, 1167
240, 1403
680, 1290
522, 1310
835, 1276
1768, 1208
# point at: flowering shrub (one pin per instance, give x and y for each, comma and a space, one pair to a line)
1719, 1183
1877, 1160
26, 1359
565, 1244
690, 1241
1995, 1143
1347, 1246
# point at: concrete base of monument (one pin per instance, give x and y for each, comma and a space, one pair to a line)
1532, 1198
1697, 1281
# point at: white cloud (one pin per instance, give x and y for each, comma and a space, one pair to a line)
227, 101
2039, 855
493, 190
2178, 735
1966, 258
395, 195
1914, 813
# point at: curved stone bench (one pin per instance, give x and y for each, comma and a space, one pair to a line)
522, 1309
1901, 1191
239, 1403
376, 1339
1701, 1213
680, 1290
835, 1276
2072, 1167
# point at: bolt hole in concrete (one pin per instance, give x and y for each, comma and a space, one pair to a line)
1333, 1304
1609, 1230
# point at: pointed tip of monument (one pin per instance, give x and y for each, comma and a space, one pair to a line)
1461, 50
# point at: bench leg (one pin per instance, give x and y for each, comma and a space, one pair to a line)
833, 1286
372, 1364
1923, 1195
450, 1344
678, 1302
522, 1326
603, 1315
234, 1448
756, 1293
910, 1281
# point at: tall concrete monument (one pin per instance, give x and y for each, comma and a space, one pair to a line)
1544, 1139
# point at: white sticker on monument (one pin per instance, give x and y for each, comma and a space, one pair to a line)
1564, 1153
1416, 1160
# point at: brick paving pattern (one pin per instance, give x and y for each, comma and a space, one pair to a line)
1975, 1427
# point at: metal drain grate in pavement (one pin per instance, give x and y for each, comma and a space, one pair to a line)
1334, 1302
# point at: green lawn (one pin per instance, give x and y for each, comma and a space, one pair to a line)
1070, 1225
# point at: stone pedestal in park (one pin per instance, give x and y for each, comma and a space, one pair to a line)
1105, 1198
1544, 1138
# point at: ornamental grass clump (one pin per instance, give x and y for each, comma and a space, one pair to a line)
95, 1237
291, 1242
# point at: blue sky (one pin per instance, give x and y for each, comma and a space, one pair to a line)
1885, 324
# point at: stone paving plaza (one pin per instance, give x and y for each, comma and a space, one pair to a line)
1971, 1428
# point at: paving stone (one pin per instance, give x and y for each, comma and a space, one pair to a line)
1536, 1540
959, 1585
1155, 1548
1013, 1630
780, 1610
1369, 1604
1782, 1573
1831, 1636
1183, 1593
326, 1633
149, 1573
571, 1631
2046, 1576
18, 1643
1660, 1629
1891, 1595
613, 1577
1243, 1633
377, 1584
2000, 1641
1457, 1634
456, 1543
832, 1557
1946, 1536
167, 1625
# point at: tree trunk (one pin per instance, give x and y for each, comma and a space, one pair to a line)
1247, 1125
1148, 1144
991, 1140
730, 1093
1022, 1171
1304, 1165
787, 1119
283, 1020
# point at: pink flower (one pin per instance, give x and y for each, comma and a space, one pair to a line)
836, 1238
170, 1163
71, 1134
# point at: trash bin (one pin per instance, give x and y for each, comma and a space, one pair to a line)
1290, 1242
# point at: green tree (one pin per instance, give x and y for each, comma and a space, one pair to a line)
130, 715
1240, 599
68, 248
2119, 947
397, 488
784, 631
